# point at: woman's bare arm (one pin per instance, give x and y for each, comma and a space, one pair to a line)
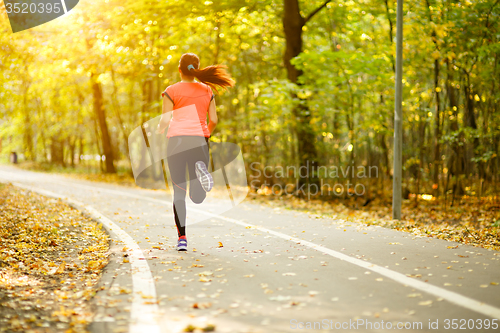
212, 117
168, 106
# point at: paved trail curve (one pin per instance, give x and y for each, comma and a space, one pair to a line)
277, 271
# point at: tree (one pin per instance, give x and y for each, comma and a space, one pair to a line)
293, 25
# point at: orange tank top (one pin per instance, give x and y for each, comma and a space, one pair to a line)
191, 102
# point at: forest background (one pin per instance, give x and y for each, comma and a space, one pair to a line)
315, 84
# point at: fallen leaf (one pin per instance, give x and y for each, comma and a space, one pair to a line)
60, 269
201, 305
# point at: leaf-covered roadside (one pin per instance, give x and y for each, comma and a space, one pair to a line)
51, 258
471, 221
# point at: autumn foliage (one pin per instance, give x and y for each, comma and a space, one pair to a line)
51, 258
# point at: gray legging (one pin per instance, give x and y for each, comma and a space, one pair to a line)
182, 152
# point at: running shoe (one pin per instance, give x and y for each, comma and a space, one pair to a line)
205, 178
182, 244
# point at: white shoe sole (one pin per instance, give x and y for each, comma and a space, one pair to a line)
204, 177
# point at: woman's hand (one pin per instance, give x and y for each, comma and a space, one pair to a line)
164, 122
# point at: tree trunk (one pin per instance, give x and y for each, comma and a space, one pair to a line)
72, 150
391, 38
100, 113
28, 130
456, 161
470, 121
118, 112
293, 22
80, 149
57, 151
385, 155
437, 131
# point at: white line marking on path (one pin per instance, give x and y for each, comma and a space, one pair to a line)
450, 296
144, 316
64, 6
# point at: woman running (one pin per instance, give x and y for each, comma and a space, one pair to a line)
188, 132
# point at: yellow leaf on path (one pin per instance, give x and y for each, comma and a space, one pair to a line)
204, 279
425, 303
494, 283
93, 264
60, 269
220, 244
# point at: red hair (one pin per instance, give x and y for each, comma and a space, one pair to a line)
215, 76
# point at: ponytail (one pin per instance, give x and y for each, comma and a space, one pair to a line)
214, 76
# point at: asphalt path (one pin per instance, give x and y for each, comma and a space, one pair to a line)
260, 269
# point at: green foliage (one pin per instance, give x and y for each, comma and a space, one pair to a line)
347, 86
